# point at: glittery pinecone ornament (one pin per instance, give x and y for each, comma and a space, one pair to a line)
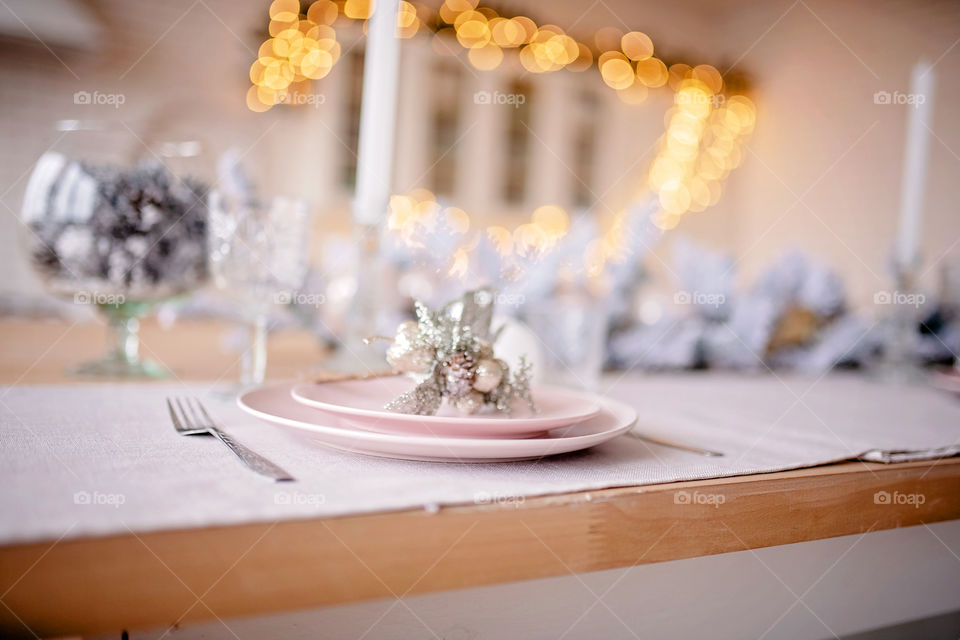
458, 372
451, 352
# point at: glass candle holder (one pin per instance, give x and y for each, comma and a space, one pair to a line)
572, 329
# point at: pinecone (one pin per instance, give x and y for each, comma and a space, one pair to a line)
458, 372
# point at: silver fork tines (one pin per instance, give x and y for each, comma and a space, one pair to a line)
191, 418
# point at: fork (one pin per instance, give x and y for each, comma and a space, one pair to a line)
190, 418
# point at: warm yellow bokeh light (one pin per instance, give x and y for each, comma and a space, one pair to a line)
529, 26
459, 263
458, 6
316, 64
457, 220
473, 34
530, 240
469, 16
678, 73
421, 194
530, 61
322, 12
652, 72
253, 101
552, 219
501, 238
508, 33
617, 73
358, 9
637, 45
610, 55
709, 76
284, 10
486, 58
584, 59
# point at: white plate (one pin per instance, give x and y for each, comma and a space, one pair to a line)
274, 404
361, 402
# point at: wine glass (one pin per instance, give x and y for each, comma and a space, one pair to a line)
108, 225
572, 327
258, 258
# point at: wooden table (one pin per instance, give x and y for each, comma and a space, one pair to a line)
87, 585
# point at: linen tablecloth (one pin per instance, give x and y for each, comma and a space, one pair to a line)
97, 459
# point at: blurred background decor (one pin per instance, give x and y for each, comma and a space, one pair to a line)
564, 157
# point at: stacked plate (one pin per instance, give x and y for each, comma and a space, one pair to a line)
349, 415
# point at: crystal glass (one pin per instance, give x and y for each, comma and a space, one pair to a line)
258, 258
950, 303
900, 362
108, 225
572, 328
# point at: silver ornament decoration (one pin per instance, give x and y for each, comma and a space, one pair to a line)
470, 403
458, 373
487, 376
419, 361
408, 332
453, 349
406, 354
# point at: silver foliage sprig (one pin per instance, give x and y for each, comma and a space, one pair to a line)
455, 342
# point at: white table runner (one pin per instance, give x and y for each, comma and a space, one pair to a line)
84, 460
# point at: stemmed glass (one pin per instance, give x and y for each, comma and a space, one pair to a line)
108, 224
572, 327
258, 258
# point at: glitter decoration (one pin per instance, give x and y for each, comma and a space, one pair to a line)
458, 371
461, 366
406, 354
470, 402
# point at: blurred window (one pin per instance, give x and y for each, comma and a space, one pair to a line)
354, 94
518, 144
586, 113
444, 126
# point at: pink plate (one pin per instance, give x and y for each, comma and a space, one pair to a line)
946, 379
360, 403
274, 404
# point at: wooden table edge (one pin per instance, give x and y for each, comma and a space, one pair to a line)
141, 580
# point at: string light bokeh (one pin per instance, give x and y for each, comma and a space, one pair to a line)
702, 143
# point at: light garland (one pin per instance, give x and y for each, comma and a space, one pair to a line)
417, 212
705, 129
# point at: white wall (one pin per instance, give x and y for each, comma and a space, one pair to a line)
819, 135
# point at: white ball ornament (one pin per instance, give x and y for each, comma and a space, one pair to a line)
488, 375
470, 403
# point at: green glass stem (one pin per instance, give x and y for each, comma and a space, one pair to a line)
123, 352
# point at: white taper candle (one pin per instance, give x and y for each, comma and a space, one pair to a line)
915, 157
378, 116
